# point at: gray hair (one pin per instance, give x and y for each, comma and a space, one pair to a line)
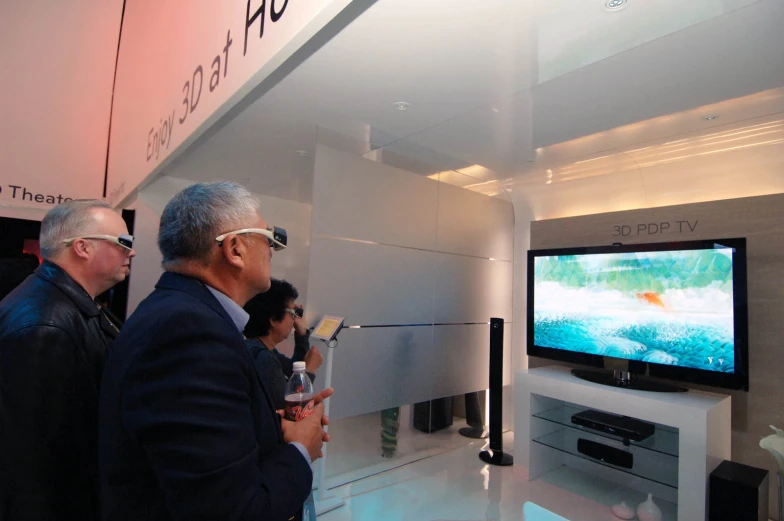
65, 221
196, 215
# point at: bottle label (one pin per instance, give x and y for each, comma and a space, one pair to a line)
297, 410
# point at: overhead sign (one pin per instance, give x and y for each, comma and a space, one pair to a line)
55, 101
184, 63
20, 195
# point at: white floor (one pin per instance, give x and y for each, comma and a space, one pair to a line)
455, 485
439, 477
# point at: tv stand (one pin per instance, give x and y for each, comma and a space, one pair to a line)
625, 379
691, 438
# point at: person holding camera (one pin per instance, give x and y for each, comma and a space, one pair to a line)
273, 315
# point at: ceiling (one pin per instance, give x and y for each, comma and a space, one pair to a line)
510, 96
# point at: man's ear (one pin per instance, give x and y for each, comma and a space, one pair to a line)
234, 251
82, 248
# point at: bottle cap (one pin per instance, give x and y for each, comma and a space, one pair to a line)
299, 366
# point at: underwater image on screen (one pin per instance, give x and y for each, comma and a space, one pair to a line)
664, 307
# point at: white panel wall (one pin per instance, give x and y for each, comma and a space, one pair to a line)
357, 199
290, 264
396, 249
475, 226
470, 289
378, 368
370, 284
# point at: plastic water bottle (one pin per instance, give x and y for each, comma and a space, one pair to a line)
299, 394
299, 405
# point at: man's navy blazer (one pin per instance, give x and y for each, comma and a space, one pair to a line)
187, 430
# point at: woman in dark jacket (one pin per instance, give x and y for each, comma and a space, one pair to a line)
273, 315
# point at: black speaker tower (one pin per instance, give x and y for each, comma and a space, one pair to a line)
495, 454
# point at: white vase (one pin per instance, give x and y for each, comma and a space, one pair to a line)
623, 511
649, 511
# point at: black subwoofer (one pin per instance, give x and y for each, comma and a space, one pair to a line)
738, 493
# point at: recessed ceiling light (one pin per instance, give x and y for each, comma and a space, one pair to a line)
710, 117
301, 153
615, 5
401, 105
495, 110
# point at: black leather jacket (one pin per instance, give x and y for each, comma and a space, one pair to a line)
53, 344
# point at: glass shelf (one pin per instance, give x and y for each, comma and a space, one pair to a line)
648, 465
664, 439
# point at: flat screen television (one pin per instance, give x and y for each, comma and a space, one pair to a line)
674, 310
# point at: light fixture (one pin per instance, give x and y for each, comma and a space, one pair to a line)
301, 153
401, 105
549, 173
615, 5
710, 117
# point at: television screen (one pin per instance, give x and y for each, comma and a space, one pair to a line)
668, 305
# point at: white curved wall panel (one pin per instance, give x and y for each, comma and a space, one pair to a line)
394, 248
473, 224
378, 368
370, 284
461, 357
468, 289
381, 367
360, 199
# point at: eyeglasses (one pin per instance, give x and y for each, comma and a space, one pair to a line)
296, 313
276, 237
125, 241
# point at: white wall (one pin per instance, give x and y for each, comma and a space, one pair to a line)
56, 97
429, 261
290, 264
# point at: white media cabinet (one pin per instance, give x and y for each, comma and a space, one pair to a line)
692, 436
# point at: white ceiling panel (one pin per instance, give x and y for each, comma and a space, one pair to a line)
734, 55
572, 34
504, 90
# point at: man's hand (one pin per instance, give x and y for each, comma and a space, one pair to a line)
313, 360
309, 432
323, 395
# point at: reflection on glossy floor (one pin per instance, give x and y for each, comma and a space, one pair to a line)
355, 449
457, 486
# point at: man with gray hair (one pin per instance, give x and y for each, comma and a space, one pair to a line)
187, 429
53, 344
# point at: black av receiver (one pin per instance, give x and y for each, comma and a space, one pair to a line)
621, 426
605, 453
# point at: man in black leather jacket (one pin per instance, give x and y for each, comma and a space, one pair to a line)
53, 343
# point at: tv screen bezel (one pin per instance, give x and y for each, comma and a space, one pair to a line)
739, 380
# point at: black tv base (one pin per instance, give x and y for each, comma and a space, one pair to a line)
625, 379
